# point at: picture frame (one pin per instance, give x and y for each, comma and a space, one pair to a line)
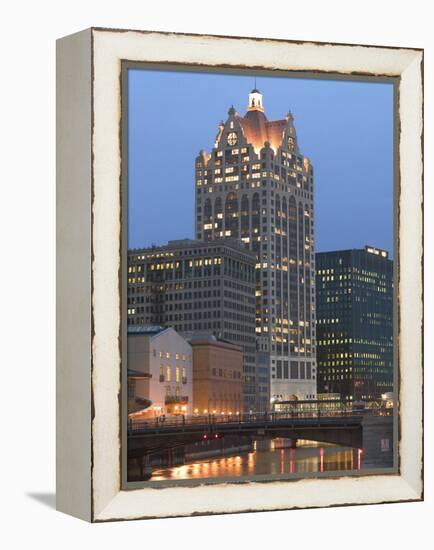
90, 211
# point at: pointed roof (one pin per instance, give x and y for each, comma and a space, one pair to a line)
258, 129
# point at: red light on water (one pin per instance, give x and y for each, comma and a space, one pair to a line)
359, 459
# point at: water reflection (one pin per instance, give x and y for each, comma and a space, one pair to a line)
308, 457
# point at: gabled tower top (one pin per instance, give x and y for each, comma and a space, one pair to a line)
255, 101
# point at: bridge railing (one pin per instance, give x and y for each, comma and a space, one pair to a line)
216, 419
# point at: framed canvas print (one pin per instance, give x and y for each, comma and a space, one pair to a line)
239, 248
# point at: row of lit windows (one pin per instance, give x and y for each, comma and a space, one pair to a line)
327, 321
166, 374
168, 355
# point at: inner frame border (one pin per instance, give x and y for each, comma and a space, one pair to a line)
126, 65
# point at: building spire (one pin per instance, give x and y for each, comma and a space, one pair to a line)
255, 100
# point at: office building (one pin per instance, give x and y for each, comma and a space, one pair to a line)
257, 187
197, 287
355, 323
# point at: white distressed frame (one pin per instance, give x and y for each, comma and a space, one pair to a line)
89, 104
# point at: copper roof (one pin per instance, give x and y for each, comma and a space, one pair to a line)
258, 129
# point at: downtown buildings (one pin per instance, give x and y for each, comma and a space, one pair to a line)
355, 323
249, 277
255, 186
199, 288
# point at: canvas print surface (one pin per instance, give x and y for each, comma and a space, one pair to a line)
259, 276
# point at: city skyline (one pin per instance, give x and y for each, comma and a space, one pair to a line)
245, 275
344, 128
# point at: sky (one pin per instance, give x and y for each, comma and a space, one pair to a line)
345, 128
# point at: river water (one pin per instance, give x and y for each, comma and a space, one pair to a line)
308, 457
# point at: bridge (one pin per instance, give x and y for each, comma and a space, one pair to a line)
147, 437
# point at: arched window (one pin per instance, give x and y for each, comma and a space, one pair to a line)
308, 275
284, 215
277, 220
292, 230
285, 273
245, 215
231, 216
207, 220
301, 287
293, 275
277, 210
256, 222
218, 217
300, 232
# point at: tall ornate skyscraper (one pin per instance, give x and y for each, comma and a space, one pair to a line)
257, 187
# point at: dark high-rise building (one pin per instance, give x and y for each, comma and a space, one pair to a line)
355, 323
257, 187
199, 287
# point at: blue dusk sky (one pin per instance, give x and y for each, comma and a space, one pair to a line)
344, 127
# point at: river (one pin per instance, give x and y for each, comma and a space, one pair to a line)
308, 457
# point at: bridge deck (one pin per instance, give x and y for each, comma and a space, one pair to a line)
268, 422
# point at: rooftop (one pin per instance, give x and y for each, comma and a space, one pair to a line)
207, 338
149, 330
381, 253
257, 129
178, 244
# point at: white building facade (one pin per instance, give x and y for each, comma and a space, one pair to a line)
166, 357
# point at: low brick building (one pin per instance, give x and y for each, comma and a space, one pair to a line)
217, 375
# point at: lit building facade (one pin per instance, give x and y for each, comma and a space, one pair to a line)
160, 372
217, 376
256, 186
198, 287
355, 323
